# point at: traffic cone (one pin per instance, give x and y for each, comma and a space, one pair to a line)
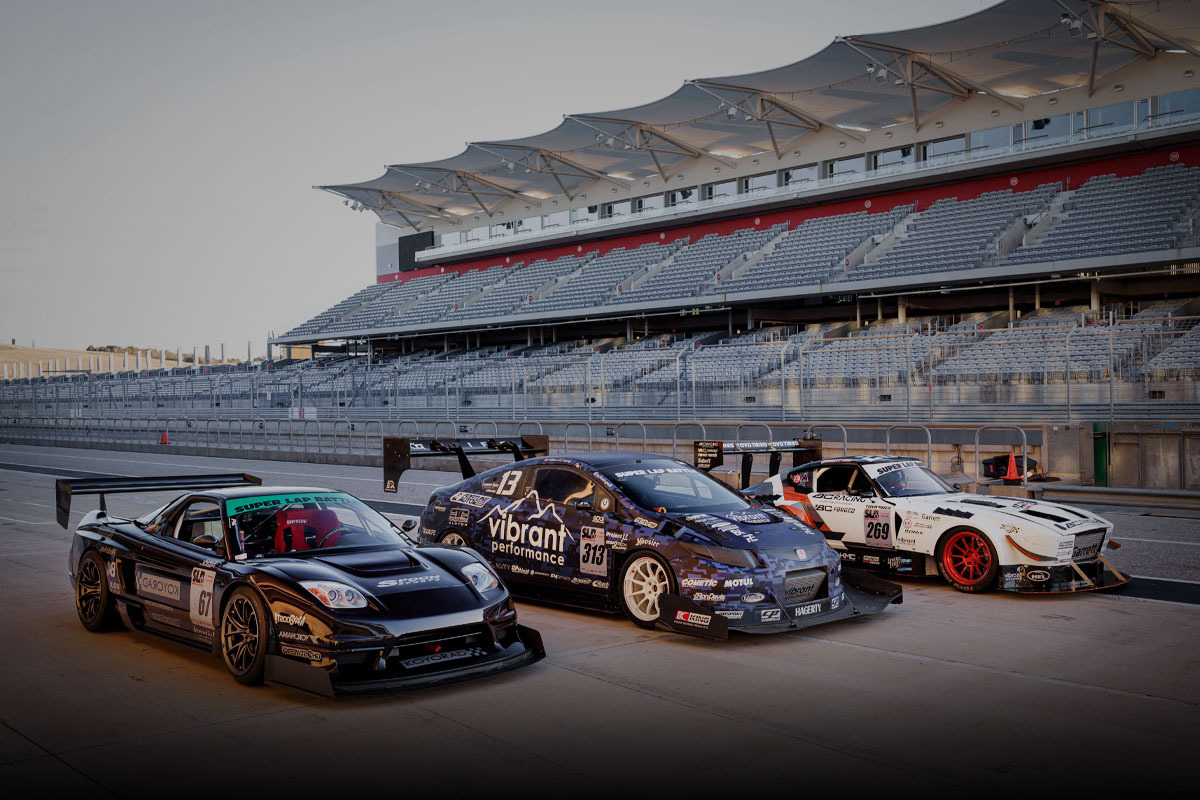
164, 439
1012, 475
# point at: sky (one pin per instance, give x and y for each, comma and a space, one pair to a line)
157, 157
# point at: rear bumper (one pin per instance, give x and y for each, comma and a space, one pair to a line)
335, 676
1062, 579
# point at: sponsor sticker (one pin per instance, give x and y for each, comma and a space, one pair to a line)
753, 597
771, 615
409, 581
291, 619
731, 582
807, 610
875, 470
200, 598
160, 586
749, 517
708, 597
470, 499
1037, 575
645, 523
702, 583
692, 618
299, 652
593, 555
877, 527
735, 613
460, 517
440, 658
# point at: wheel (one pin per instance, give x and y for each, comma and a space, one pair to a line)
92, 600
453, 538
245, 631
967, 560
644, 578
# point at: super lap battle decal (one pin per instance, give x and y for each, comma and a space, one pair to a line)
747, 568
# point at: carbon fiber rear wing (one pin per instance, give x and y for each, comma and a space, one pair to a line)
710, 454
398, 452
64, 489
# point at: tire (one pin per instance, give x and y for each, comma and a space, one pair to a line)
453, 538
92, 600
967, 561
644, 577
245, 634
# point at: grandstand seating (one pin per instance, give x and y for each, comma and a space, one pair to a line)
697, 264
953, 234
1110, 215
600, 278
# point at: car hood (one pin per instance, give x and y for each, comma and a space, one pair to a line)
760, 529
407, 581
1065, 520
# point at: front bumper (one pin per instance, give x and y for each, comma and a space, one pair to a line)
1063, 578
859, 593
393, 666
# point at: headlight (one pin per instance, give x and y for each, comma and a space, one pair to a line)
481, 577
722, 555
335, 595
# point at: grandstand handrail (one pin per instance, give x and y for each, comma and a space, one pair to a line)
675, 433
541, 431
400, 427
451, 422
492, 422
642, 425
304, 423
887, 439
1024, 449
208, 427
845, 434
259, 423
567, 434
1043, 142
333, 429
367, 435
738, 433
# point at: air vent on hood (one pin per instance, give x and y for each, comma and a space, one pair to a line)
1043, 515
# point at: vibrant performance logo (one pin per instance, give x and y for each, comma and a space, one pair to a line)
537, 536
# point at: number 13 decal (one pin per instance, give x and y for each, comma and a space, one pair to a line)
508, 482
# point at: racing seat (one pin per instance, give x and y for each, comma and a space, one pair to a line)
305, 529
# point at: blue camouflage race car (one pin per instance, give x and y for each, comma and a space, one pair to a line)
653, 537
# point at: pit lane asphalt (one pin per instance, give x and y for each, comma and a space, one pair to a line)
945, 693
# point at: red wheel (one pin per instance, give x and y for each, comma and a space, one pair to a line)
968, 561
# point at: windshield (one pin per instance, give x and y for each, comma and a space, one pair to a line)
906, 479
275, 524
669, 486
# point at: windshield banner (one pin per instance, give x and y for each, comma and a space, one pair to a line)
240, 504
875, 470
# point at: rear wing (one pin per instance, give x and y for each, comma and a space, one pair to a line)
710, 454
64, 489
398, 452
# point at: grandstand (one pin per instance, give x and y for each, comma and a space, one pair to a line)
990, 218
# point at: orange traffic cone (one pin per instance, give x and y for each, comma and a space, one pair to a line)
1011, 475
166, 441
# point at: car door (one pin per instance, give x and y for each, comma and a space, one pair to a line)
176, 566
841, 494
568, 500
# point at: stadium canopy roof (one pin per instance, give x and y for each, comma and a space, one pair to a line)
1014, 50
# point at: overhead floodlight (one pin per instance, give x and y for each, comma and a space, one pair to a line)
731, 112
870, 69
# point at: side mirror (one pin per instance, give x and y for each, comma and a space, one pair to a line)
956, 487
206, 541
408, 525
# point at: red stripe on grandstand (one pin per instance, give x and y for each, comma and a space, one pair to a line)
1071, 176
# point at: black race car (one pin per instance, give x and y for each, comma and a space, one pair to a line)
303, 587
649, 535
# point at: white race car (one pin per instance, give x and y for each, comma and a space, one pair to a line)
896, 515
